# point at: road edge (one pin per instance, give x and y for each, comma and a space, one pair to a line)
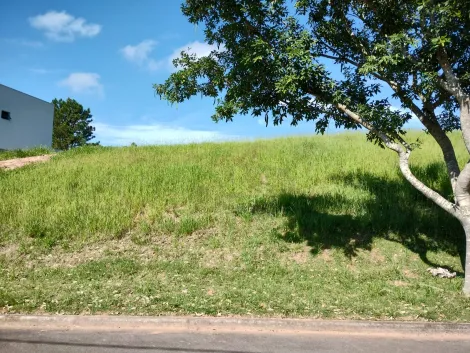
226, 323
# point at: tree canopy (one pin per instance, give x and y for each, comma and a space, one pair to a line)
275, 58
71, 124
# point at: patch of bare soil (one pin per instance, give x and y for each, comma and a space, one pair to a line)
9, 250
325, 255
61, 258
213, 258
301, 257
376, 257
163, 246
399, 283
410, 274
21, 162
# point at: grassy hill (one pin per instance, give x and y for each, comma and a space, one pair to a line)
314, 226
11, 154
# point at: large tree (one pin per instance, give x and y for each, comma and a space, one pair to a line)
273, 59
71, 124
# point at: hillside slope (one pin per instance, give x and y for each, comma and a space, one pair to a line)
310, 226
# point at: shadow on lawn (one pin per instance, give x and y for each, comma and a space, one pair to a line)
396, 211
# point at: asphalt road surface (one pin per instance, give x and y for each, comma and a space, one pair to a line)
225, 339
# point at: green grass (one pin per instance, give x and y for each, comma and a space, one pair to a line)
321, 227
11, 154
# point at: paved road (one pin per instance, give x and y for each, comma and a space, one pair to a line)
224, 339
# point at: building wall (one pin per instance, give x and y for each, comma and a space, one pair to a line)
31, 120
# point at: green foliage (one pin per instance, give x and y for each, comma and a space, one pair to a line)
71, 125
273, 60
231, 229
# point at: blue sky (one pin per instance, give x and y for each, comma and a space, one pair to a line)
107, 55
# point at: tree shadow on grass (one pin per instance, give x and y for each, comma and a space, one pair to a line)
394, 210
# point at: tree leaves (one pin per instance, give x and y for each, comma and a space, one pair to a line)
277, 57
71, 124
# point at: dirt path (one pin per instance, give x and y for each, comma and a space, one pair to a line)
20, 162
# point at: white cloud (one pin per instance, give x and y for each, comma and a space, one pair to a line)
141, 54
26, 42
83, 82
154, 134
154, 65
63, 27
39, 71
198, 48
42, 71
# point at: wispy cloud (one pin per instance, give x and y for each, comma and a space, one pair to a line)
140, 54
83, 82
63, 27
198, 48
42, 71
39, 71
154, 134
25, 42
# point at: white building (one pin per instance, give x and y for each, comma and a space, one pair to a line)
25, 121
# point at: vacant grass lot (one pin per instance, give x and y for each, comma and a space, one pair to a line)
316, 227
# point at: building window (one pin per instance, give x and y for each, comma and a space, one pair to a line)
6, 115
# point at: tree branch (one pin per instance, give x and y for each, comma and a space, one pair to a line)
339, 59
355, 117
352, 35
421, 187
431, 125
451, 84
434, 129
404, 155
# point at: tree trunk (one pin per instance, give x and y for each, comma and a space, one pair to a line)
463, 187
460, 181
425, 190
462, 195
465, 120
447, 150
461, 211
466, 286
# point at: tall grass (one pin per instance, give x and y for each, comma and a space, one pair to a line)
21, 153
90, 194
260, 201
